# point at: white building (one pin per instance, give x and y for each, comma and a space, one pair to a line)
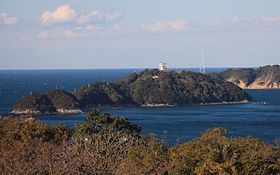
163, 66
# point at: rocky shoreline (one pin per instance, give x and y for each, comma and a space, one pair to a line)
228, 103
59, 111
201, 104
158, 105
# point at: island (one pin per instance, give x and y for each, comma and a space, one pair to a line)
53, 102
266, 77
149, 88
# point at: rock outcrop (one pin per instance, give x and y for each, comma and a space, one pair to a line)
266, 77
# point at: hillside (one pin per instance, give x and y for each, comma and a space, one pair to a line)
102, 93
179, 87
154, 87
54, 101
266, 77
29, 104
63, 100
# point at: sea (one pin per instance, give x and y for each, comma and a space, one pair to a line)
175, 125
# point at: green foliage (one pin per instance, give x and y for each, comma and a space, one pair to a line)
97, 123
184, 87
103, 93
63, 100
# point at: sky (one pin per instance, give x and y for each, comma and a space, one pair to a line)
98, 34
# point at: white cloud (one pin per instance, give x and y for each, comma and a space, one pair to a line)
109, 23
80, 25
99, 16
235, 24
169, 26
112, 17
259, 20
62, 14
7, 19
258, 23
66, 13
272, 19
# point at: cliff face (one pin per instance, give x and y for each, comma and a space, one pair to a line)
54, 101
267, 77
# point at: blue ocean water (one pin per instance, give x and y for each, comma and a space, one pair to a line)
15, 84
260, 119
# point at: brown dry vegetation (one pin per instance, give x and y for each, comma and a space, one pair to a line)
105, 145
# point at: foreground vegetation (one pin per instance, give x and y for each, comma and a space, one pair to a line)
112, 145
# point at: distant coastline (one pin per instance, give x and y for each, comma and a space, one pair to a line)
265, 77
201, 104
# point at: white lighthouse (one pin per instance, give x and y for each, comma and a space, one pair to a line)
163, 66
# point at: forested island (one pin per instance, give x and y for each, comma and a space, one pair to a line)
52, 102
147, 88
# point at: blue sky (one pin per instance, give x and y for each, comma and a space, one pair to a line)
138, 34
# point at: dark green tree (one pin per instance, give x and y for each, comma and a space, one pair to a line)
97, 123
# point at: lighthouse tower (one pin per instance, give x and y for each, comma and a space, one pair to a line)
163, 66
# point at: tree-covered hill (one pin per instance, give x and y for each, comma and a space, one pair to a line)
179, 87
54, 101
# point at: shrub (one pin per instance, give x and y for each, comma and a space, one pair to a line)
105, 145
28, 129
150, 157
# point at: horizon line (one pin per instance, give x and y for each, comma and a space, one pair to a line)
127, 68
